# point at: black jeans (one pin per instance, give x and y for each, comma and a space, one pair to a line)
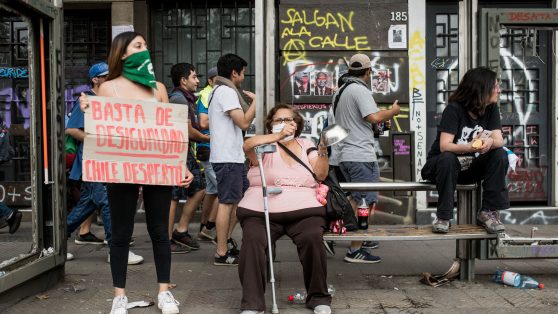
445, 171
123, 199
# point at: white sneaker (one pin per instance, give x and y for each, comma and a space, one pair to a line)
133, 259
322, 309
167, 304
119, 304
69, 256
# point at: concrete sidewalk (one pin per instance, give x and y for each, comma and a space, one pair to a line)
391, 286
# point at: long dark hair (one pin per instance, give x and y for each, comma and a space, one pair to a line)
117, 50
475, 89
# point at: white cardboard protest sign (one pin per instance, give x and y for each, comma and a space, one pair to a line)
134, 141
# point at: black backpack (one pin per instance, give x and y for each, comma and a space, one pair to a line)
338, 206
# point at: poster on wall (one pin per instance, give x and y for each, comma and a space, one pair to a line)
316, 79
397, 36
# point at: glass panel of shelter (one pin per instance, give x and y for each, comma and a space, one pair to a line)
15, 166
524, 59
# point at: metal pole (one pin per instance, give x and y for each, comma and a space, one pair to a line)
274, 308
464, 247
259, 66
270, 58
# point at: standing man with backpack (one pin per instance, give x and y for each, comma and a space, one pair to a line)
356, 110
185, 81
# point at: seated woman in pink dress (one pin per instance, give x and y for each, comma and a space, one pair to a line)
294, 212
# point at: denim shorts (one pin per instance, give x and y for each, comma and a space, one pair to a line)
361, 172
231, 182
210, 178
197, 184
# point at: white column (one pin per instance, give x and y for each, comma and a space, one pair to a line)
417, 86
259, 66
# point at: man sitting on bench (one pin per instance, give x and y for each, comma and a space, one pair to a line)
468, 148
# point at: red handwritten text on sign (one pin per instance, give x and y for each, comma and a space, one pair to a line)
131, 141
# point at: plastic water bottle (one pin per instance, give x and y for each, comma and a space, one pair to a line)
362, 212
298, 297
516, 280
331, 290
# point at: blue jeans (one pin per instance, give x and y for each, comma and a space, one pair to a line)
361, 172
210, 178
5, 211
93, 195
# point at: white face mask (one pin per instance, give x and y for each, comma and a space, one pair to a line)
278, 128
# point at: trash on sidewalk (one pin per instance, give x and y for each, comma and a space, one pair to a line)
439, 280
47, 252
298, 297
132, 305
42, 296
516, 280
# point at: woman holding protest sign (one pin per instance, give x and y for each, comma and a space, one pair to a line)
131, 77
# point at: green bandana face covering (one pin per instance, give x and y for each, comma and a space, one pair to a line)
138, 68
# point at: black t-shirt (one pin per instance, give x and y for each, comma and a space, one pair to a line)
456, 121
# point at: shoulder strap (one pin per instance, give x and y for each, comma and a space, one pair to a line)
211, 95
336, 100
293, 156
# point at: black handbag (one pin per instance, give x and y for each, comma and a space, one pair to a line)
338, 206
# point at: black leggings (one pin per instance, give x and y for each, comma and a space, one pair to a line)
123, 199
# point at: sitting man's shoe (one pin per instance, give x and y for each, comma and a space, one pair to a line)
322, 309
133, 259
178, 249
370, 244
490, 220
166, 303
441, 225
185, 239
119, 304
226, 260
329, 247
88, 238
252, 312
14, 221
361, 256
207, 234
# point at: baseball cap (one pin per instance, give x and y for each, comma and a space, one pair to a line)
212, 72
359, 61
98, 69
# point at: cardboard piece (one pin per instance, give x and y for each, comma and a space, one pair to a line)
135, 141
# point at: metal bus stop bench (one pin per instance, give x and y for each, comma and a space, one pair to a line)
464, 232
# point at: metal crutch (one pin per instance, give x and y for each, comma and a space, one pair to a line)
260, 150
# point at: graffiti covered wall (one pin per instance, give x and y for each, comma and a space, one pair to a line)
316, 45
